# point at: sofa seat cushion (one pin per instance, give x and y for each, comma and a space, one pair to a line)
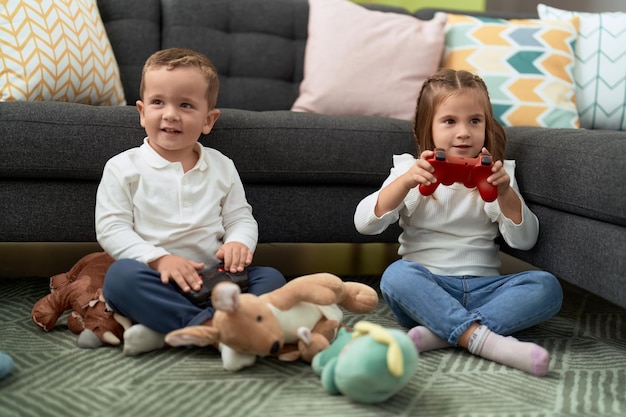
74, 141
578, 171
306, 148
56, 140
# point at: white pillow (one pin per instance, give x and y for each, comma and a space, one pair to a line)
56, 51
600, 68
364, 62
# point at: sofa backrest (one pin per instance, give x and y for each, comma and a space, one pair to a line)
134, 30
257, 45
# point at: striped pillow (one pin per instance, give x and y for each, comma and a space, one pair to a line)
600, 69
56, 50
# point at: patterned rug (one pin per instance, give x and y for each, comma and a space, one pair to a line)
53, 377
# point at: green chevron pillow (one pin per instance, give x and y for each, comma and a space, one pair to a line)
527, 65
600, 69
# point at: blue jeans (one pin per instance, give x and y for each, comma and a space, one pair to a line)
135, 291
448, 306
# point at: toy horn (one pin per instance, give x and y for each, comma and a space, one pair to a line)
381, 335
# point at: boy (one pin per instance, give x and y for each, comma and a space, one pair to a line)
171, 208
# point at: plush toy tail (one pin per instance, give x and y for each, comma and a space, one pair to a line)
45, 313
359, 298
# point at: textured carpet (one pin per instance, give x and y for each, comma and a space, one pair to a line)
53, 377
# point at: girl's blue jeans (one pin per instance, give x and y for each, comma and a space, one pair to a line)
449, 305
135, 291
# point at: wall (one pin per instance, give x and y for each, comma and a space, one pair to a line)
523, 6
412, 5
526, 6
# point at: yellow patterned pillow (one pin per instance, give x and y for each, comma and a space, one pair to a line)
527, 65
56, 50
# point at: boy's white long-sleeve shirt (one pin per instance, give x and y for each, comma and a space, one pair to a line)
147, 207
453, 233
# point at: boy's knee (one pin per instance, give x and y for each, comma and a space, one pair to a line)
121, 275
274, 276
119, 270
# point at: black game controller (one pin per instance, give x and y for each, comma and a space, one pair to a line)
212, 277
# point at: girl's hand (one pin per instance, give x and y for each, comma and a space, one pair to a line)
509, 202
420, 173
235, 255
499, 177
180, 270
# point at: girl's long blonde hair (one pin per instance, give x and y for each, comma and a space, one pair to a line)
443, 84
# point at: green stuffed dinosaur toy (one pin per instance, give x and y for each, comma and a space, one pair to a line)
368, 365
6, 365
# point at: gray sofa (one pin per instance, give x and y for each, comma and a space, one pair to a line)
304, 173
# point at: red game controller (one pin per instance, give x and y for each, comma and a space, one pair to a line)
472, 172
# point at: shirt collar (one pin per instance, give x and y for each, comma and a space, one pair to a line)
157, 161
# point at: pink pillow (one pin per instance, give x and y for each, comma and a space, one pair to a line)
364, 62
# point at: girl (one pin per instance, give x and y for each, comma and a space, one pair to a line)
446, 286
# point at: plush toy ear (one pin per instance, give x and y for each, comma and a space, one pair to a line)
193, 335
225, 296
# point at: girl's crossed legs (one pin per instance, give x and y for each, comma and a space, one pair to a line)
473, 312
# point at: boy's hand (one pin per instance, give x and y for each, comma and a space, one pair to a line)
180, 270
235, 256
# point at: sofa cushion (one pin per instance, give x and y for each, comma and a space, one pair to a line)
313, 165
366, 62
578, 171
257, 47
134, 30
57, 51
306, 148
69, 141
527, 65
600, 69
428, 13
274, 147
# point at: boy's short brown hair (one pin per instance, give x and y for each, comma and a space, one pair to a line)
183, 57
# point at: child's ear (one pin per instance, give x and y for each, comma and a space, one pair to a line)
210, 121
139, 105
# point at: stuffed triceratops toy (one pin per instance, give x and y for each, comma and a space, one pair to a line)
80, 290
293, 322
368, 365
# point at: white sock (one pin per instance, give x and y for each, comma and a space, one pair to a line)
509, 351
140, 339
426, 340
